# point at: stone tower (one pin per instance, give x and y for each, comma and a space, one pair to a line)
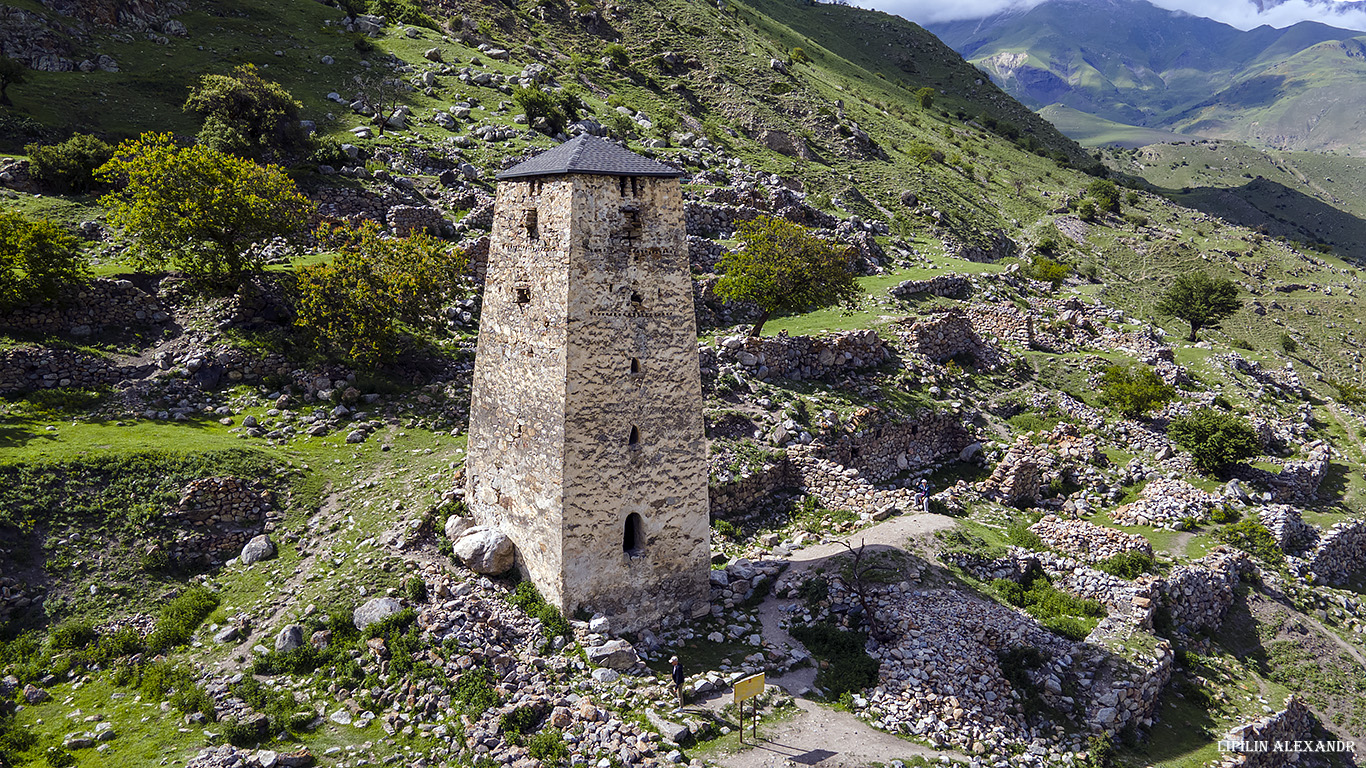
586, 441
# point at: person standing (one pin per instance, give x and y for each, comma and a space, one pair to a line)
924, 487
678, 680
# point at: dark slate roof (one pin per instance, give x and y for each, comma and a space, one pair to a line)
588, 154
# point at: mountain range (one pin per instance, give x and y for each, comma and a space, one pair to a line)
1130, 62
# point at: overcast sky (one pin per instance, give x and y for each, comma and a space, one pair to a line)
1240, 13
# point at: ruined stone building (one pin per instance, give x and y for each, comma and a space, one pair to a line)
586, 442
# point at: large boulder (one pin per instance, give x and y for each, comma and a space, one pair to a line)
375, 610
614, 654
456, 526
485, 550
258, 549
290, 637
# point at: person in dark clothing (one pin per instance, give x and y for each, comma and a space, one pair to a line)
678, 680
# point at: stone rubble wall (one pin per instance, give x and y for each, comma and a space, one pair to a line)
1291, 533
947, 336
1086, 541
797, 357
1340, 553
89, 310
217, 516
947, 286
1002, 323
25, 369
704, 254
1165, 503
1294, 723
405, 220
1198, 595
743, 495
1019, 476
1300, 480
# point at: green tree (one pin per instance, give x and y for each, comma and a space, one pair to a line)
1048, 270
1134, 390
536, 104
198, 209
925, 97
1200, 300
356, 302
784, 268
1214, 439
1105, 193
248, 116
37, 258
12, 72
69, 167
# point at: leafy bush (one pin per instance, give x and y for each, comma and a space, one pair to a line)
1048, 270
1289, 344
1018, 534
814, 590
536, 104
1134, 390
798, 55
617, 53
474, 691
196, 208
1105, 193
1067, 615
726, 528
356, 302
519, 721
71, 635
37, 259
1252, 537
404, 12
548, 746
553, 623
245, 731
1224, 515
174, 683
1214, 439
68, 168
850, 668
1086, 211
278, 706
181, 617
1127, 565
925, 97
415, 588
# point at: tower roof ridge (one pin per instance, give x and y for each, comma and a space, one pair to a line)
589, 154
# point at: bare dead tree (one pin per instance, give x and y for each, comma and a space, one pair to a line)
381, 96
861, 573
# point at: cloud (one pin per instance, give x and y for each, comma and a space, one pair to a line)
1242, 14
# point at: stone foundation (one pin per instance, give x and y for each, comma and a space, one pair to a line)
217, 516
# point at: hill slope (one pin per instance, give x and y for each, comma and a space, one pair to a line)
1131, 62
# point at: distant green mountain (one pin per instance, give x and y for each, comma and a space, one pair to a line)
1129, 62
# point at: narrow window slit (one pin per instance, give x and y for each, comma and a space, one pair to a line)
635, 365
634, 439
632, 539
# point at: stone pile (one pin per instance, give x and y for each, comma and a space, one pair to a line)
17, 598
1166, 503
949, 286
1289, 530
88, 310
1087, 541
1341, 552
1294, 723
1198, 595
216, 517
796, 357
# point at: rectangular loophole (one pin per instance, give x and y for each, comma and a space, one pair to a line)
522, 294
532, 224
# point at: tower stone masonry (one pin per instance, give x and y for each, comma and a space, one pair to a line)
586, 442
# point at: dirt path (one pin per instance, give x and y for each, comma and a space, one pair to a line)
1179, 543
819, 735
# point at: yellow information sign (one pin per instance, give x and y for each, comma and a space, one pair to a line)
749, 687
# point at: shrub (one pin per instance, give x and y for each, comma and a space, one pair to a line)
798, 55
37, 259
1289, 344
1048, 270
180, 618
1105, 194
1214, 439
1086, 211
519, 721
617, 53
726, 528
850, 668
1127, 565
814, 590
415, 588
71, 635
1067, 615
474, 691
354, 304
528, 598
536, 104
278, 706
548, 746
925, 97
1134, 391
1224, 515
1252, 537
68, 168
245, 731
196, 208
1018, 534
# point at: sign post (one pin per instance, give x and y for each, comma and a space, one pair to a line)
748, 688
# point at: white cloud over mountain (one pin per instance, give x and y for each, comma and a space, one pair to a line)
1243, 14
